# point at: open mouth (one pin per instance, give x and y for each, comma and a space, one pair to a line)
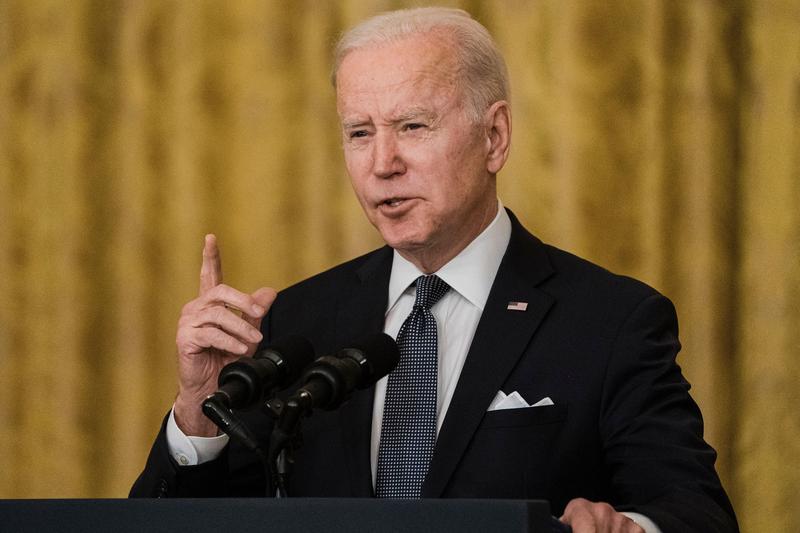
393, 202
396, 206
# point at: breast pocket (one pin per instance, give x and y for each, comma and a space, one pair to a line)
525, 416
509, 454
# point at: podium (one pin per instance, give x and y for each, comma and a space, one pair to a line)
277, 515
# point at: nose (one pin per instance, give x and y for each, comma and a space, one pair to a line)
386, 158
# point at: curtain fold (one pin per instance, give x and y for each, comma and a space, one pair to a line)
658, 139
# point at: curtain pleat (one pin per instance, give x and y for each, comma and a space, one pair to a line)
658, 139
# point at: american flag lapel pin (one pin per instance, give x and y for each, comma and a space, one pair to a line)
517, 306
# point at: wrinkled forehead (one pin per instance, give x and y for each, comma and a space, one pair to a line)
418, 63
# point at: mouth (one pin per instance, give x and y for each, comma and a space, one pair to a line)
392, 202
395, 206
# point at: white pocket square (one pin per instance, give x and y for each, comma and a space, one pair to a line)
515, 401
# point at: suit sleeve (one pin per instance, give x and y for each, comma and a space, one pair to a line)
652, 430
162, 477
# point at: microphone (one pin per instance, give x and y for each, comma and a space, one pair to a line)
330, 379
249, 379
326, 385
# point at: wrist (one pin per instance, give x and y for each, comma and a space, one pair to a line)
190, 419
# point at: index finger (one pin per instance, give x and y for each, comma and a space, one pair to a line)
211, 269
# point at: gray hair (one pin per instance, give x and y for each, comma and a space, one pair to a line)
483, 73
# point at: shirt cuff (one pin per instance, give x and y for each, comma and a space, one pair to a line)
642, 521
190, 451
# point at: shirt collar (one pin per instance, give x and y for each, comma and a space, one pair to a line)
470, 273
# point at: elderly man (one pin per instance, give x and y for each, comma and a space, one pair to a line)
547, 376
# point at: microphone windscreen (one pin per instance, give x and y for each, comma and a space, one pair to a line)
381, 353
295, 353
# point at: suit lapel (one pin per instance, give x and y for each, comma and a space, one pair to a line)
361, 312
500, 340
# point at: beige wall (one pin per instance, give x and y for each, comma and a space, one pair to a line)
660, 139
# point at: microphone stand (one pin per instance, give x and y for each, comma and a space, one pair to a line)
285, 439
327, 384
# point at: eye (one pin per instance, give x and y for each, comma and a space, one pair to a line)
413, 126
358, 134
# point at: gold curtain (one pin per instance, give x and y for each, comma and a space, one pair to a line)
659, 139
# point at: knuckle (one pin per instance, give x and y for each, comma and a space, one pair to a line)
244, 328
579, 503
186, 336
218, 314
188, 308
186, 317
223, 341
201, 337
222, 288
218, 337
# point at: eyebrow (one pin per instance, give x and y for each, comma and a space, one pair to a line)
413, 113
357, 123
409, 114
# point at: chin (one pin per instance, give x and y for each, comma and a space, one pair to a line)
401, 234
403, 242
404, 245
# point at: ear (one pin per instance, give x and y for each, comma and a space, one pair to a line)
498, 135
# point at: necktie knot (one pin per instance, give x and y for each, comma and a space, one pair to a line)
430, 290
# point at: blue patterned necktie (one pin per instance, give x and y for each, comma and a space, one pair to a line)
408, 433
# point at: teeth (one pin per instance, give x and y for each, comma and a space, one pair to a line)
393, 202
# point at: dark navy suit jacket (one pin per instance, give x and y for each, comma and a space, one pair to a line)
623, 428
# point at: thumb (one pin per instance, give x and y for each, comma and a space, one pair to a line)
264, 297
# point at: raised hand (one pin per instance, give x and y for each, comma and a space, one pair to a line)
219, 326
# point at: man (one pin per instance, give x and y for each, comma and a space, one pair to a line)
423, 101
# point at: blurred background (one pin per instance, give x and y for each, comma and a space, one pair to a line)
659, 139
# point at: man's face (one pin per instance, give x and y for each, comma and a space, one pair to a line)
416, 161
